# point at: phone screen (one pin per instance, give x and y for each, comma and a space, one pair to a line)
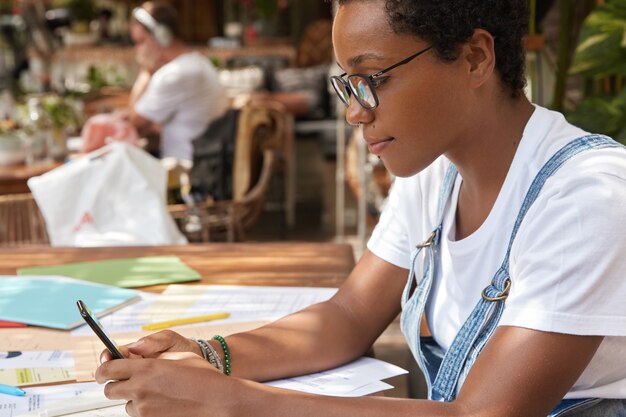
95, 325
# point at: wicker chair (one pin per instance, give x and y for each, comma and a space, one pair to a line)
21, 222
260, 140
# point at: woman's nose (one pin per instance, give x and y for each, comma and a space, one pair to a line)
356, 114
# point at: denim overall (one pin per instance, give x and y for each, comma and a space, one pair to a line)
446, 371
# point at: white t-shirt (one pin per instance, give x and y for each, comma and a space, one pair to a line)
183, 96
568, 261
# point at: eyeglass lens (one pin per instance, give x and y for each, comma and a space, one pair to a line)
341, 90
359, 87
363, 91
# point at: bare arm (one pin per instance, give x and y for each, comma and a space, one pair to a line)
320, 337
139, 87
521, 372
327, 334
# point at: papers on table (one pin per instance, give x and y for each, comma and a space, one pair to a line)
250, 307
361, 377
36, 359
244, 303
40, 398
23, 368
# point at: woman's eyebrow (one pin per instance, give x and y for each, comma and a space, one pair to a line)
359, 59
354, 61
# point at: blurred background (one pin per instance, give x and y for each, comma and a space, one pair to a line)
63, 61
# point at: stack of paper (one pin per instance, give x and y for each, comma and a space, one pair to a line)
24, 368
358, 378
361, 377
58, 400
244, 303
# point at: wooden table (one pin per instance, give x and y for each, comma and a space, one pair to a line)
284, 264
13, 178
288, 264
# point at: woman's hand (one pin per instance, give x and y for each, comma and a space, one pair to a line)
148, 56
186, 385
154, 345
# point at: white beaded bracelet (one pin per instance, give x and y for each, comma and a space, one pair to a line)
209, 354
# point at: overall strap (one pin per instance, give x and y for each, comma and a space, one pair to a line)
410, 320
483, 320
433, 239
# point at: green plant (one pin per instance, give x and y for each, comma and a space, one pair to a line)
95, 78
60, 112
600, 58
82, 10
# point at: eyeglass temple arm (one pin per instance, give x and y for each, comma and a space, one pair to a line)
404, 61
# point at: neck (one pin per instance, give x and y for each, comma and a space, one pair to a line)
488, 152
490, 145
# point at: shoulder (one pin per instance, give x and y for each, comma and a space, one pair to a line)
186, 69
568, 254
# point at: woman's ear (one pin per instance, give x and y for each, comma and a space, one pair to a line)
480, 57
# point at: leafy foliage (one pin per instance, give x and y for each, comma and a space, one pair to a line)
601, 58
60, 111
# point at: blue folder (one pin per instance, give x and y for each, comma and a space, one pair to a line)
50, 301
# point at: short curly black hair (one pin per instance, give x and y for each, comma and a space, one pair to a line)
446, 24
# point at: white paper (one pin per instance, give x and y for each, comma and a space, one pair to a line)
361, 377
23, 368
370, 388
37, 359
89, 400
41, 397
345, 381
244, 303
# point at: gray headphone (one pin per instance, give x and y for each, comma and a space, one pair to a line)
162, 34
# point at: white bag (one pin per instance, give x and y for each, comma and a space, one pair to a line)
114, 196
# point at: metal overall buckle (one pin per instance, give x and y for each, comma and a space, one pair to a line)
429, 242
502, 296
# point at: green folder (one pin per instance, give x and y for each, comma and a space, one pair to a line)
126, 273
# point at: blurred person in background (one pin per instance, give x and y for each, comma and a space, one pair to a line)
175, 96
177, 92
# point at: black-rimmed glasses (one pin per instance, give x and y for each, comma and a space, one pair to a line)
363, 86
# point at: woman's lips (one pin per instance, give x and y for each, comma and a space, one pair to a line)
377, 146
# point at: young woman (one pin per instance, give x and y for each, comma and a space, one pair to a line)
505, 219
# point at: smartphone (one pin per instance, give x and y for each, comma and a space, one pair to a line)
95, 325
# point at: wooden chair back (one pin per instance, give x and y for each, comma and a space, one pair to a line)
260, 140
262, 125
21, 222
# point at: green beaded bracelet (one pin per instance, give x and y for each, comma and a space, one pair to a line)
226, 353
